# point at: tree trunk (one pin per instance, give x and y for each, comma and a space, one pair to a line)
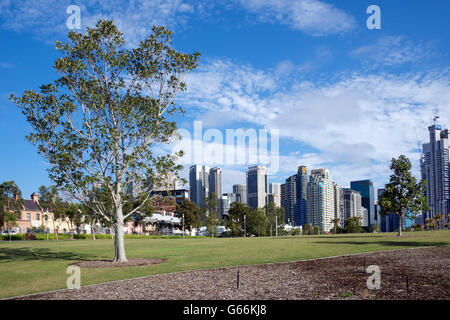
119, 243
400, 223
93, 230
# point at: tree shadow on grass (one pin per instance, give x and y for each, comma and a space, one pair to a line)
28, 254
388, 243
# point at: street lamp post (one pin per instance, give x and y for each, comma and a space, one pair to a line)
245, 225
183, 226
276, 226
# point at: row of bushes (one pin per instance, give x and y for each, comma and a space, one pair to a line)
52, 236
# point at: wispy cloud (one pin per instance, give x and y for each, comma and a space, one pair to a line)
393, 51
47, 18
310, 16
356, 122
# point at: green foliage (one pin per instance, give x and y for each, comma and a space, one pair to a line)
273, 213
192, 214
307, 230
236, 215
8, 204
257, 223
210, 214
353, 225
404, 196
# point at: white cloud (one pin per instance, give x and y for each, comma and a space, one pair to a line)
356, 122
310, 16
392, 51
47, 18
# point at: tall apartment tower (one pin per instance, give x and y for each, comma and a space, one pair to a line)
435, 170
365, 188
295, 197
240, 190
353, 204
257, 186
215, 181
338, 195
284, 199
300, 211
290, 199
320, 208
198, 184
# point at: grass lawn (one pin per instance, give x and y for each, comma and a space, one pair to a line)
36, 266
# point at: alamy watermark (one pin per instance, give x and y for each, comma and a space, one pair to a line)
374, 20
74, 280
74, 20
235, 147
374, 280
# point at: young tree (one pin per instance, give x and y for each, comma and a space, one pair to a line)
10, 221
353, 225
191, 212
275, 216
404, 196
236, 214
97, 124
210, 213
336, 224
257, 223
10, 201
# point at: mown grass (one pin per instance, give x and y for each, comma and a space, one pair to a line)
36, 266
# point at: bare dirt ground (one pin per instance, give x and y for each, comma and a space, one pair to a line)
427, 269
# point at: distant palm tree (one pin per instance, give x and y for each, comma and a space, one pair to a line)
335, 222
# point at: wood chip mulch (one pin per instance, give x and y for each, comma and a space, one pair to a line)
426, 269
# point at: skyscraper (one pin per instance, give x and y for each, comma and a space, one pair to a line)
257, 186
198, 184
365, 188
320, 208
435, 170
240, 190
295, 197
215, 181
300, 215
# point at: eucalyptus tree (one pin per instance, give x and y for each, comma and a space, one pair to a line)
98, 123
404, 195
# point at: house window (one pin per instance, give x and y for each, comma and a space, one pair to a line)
46, 217
28, 216
38, 216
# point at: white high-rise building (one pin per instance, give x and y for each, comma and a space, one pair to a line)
436, 171
257, 186
198, 184
320, 207
240, 190
353, 205
275, 191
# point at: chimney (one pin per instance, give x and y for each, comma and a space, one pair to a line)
34, 197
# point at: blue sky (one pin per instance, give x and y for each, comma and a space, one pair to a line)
343, 97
